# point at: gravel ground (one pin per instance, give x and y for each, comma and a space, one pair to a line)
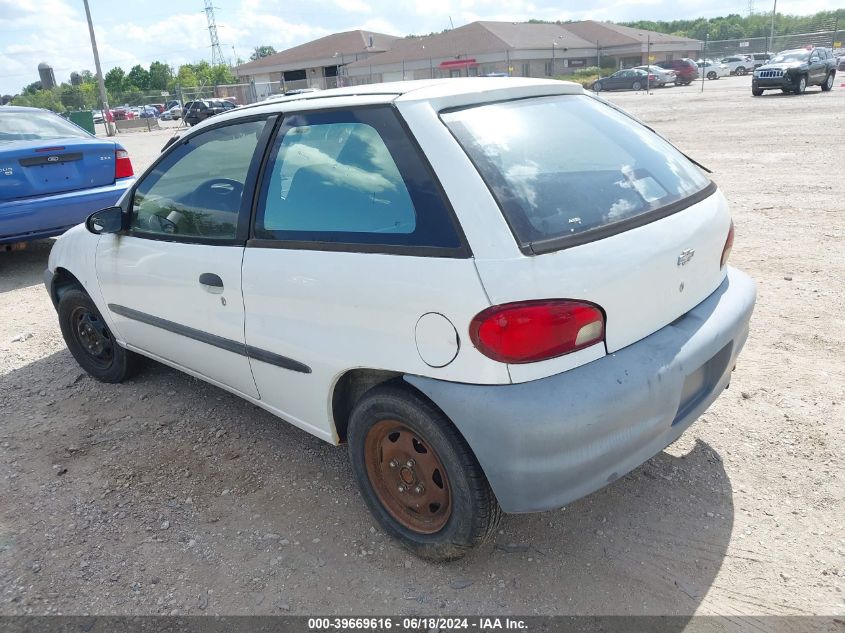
166, 495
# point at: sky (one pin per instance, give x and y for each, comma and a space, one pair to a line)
129, 33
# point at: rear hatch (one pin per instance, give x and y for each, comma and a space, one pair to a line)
39, 168
604, 210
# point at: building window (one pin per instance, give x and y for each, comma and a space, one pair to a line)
526, 70
550, 69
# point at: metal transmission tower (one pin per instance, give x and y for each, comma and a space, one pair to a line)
216, 53
750, 7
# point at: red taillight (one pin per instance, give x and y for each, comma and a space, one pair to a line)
729, 244
529, 331
122, 164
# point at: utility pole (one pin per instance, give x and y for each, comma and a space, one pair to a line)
772, 33
704, 58
102, 84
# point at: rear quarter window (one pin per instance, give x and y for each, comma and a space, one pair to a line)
564, 167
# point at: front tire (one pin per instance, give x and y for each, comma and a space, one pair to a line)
637, 86
757, 92
91, 342
711, 75
418, 476
740, 71
827, 86
597, 86
800, 85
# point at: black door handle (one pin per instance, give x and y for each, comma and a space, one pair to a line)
210, 279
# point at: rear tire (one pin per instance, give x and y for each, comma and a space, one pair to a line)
827, 85
418, 476
597, 86
90, 342
711, 75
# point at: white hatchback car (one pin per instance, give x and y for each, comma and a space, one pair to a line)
501, 293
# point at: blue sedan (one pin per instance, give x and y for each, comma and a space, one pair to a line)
53, 174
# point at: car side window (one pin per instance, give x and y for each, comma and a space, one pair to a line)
195, 191
351, 177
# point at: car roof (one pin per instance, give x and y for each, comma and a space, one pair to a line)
13, 108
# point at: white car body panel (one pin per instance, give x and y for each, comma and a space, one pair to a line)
313, 309
161, 279
634, 276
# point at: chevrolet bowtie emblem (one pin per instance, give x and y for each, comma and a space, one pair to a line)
685, 256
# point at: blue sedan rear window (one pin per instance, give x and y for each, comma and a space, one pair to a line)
36, 126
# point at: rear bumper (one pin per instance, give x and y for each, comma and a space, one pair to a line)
546, 443
36, 218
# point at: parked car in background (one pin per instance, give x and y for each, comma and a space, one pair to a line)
841, 64
98, 116
738, 64
53, 174
794, 70
629, 79
661, 75
200, 110
761, 58
175, 111
158, 106
686, 70
713, 70
149, 112
487, 348
166, 116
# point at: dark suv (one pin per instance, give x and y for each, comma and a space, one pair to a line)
794, 70
201, 109
686, 70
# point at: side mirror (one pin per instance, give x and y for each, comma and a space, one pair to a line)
108, 220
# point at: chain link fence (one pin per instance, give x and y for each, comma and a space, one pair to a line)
718, 49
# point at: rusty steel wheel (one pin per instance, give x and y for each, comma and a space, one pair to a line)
418, 475
408, 477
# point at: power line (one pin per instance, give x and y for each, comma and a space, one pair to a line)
216, 53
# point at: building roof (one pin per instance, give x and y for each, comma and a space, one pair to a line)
477, 38
608, 34
345, 43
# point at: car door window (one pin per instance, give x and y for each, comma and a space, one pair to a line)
195, 192
351, 177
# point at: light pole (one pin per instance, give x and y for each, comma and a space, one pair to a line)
100, 83
772, 32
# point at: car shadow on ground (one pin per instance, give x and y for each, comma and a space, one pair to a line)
19, 269
167, 477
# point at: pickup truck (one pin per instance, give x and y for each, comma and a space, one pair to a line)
794, 70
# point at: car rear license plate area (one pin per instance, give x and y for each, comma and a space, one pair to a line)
702, 381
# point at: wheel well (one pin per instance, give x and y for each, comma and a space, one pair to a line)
348, 391
63, 281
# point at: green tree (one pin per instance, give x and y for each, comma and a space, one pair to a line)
262, 51
115, 80
138, 78
160, 75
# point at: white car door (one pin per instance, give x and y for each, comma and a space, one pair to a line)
356, 261
172, 282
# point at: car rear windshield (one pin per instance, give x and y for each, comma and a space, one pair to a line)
36, 126
566, 165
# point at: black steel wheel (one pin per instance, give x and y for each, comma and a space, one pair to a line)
89, 339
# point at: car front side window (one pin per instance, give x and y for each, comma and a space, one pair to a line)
196, 191
351, 178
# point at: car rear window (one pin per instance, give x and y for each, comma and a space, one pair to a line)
36, 126
563, 166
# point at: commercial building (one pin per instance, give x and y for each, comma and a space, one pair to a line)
521, 49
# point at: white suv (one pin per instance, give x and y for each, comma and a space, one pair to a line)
501, 293
739, 64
